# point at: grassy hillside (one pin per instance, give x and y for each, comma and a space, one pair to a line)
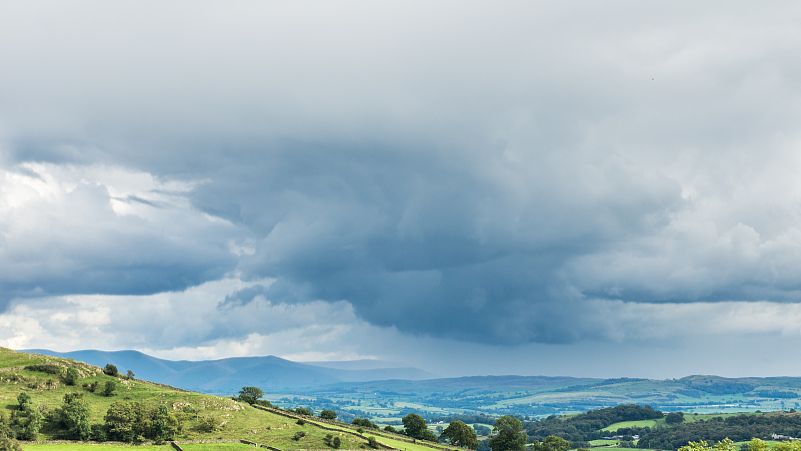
33, 374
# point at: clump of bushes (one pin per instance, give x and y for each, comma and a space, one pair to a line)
298, 435
134, 423
301, 421
71, 376
207, 424
48, 368
111, 370
110, 388
364, 422
26, 419
331, 441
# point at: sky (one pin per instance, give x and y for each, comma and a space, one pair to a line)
471, 187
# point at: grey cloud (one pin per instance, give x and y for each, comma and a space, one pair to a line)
484, 176
61, 235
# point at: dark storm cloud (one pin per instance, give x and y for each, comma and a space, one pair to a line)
480, 172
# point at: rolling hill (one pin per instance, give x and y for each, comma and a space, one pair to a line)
226, 376
42, 378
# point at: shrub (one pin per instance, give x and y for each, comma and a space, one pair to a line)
207, 424
71, 376
372, 442
90, 387
390, 429
110, 388
45, 368
328, 414
301, 421
364, 422
336, 443
298, 435
99, 433
9, 444
111, 370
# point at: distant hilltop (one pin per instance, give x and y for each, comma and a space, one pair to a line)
226, 376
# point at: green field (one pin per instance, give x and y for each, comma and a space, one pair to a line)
630, 424
116, 447
93, 447
236, 420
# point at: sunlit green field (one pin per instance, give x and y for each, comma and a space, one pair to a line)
630, 424
93, 447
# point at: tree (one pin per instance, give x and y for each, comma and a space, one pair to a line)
724, 445
130, 374
74, 417
674, 418
508, 435
23, 400
460, 434
328, 414
111, 370
7, 442
415, 426
71, 376
123, 422
26, 420
790, 445
303, 411
552, 443
389, 428
110, 388
250, 394
163, 426
757, 445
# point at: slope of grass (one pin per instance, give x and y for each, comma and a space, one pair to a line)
93, 447
237, 420
637, 423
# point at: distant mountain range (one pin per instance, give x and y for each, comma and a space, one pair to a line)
387, 391
227, 376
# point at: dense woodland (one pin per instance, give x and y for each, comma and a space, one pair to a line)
738, 428
587, 426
